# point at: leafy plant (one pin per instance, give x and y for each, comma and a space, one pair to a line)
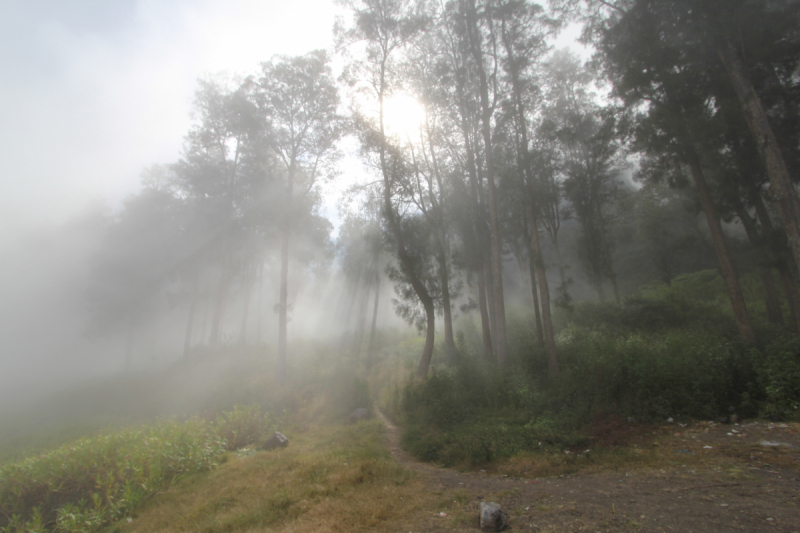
92, 481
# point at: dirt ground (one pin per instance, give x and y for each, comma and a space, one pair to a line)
743, 477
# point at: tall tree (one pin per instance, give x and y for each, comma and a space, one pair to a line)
222, 173
483, 43
299, 99
645, 67
385, 28
523, 30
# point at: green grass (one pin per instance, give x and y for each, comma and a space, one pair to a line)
92, 481
331, 478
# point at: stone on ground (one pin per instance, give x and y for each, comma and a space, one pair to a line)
493, 517
359, 414
278, 440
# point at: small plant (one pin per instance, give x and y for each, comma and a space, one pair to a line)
90, 482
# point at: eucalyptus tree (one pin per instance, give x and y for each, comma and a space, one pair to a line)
298, 99
432, 163
482, 41
674, 125
589, 141
222, 175
383, 29
459, 79
138, 259
754, 44
523, 28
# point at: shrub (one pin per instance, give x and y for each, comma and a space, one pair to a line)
778, 376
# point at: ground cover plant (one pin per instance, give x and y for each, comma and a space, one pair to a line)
83, 485
658, 357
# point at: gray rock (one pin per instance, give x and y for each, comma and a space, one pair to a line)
278, 440
493, 517
776, 444
358, 415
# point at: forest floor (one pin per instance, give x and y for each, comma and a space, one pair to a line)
702, 477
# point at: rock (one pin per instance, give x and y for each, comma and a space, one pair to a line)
670, 420
734, 418
776, 444
278, 440
493, 517
358, 415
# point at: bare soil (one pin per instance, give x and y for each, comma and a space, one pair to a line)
710, 477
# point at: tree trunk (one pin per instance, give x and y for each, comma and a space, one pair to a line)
494, 233
205, 317
488, 275
721, 250
790, 289
283, 302
534, 292
449, 341
781, 187
486, 328
258, 309
187, 338
247, 290
771, 300
394, 225
371, 347
550, 342
219, 308
782, 264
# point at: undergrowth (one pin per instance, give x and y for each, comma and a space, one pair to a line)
81, 486
647, 360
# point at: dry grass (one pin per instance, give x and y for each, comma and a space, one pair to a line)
657, 448
330, 478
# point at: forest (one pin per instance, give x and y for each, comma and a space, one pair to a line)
670, 152
530, 241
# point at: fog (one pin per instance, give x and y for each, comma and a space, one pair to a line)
168, 197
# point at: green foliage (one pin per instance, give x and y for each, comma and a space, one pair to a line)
655, 357
778, 371
92, 481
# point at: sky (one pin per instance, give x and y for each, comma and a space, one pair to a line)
93, 91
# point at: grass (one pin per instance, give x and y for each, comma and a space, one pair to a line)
330, 478
83, 485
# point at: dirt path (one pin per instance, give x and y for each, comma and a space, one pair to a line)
757, 488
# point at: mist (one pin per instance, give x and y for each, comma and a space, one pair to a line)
161, 204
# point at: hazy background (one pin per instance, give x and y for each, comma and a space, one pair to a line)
94, 91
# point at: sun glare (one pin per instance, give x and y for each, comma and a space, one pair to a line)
402, 116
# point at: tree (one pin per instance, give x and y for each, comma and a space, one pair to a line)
674, 124
223, 175
385, 27
523, 29
299, 100
141, 254
482, 41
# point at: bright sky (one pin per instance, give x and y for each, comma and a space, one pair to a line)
92, 91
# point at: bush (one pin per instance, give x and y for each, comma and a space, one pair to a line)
649, 358
778, 376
